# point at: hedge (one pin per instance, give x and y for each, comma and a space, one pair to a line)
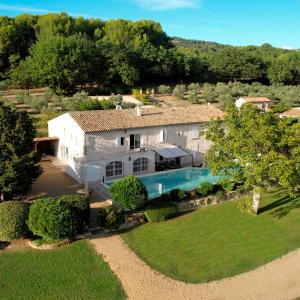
80, 206
13, 217
160, 211
52, 219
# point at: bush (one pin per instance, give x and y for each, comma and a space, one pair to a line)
179, 91
205, 188
193, 87
80, 206
160, 211
141, 97
220, 195
13, 217
177, 195
90, 104
245, 206
164, 89
52, 219
165, 197
107, 104
129, 192
193, 96
110, 218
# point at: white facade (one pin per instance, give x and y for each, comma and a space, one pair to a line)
262, 105
103, 156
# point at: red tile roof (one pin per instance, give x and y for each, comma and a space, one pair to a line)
109, 120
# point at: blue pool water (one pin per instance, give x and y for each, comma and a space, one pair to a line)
185, 179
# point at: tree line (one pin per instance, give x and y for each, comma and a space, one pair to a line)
67, 54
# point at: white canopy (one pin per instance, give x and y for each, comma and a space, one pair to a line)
170, 151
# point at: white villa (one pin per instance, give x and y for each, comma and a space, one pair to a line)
262, 103
109, 144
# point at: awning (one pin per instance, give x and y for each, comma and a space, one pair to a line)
170, 151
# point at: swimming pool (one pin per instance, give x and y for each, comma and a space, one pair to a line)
185, 179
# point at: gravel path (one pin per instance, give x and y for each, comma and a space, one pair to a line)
279, 279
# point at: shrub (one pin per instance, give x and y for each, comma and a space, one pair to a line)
4, 84
52, 219
193, 96
245, 206
110, 218
80, 206
116, 98
165, 197
164, 89
13, 217
129, 192
107, 104
205, 188
193, 87
177, 195
90, 104
220, 195
141, 97
179, 91
160, 211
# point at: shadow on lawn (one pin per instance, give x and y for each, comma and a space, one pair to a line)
4, 245
281, 207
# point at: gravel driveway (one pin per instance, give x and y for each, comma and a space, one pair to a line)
279, 279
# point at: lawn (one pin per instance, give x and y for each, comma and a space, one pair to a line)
219, 241
72, 272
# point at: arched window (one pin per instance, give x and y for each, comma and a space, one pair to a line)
140, 165
114, 168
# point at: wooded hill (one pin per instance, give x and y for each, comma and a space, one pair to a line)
67, 53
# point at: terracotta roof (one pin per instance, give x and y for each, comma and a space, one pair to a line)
294, 112
256, 99
109, 120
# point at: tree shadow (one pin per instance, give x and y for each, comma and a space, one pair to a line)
4, 245
281, 207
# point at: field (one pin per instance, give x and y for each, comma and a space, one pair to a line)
219, 241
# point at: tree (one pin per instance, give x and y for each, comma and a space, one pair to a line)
258, 150
18, 162
62, 63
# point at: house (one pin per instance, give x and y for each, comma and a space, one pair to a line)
109, 144
262, 103
292, 113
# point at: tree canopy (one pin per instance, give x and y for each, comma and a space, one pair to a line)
18, 162
256, 149
126, 53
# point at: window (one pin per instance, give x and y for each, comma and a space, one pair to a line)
122, 141
140, 165
135, 141
114, 168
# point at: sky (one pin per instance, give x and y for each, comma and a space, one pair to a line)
234, 22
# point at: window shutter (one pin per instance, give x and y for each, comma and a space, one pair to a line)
118, 142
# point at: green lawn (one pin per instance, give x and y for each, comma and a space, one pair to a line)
72, 272
219, 241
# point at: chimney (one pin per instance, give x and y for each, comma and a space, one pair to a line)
138, 111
